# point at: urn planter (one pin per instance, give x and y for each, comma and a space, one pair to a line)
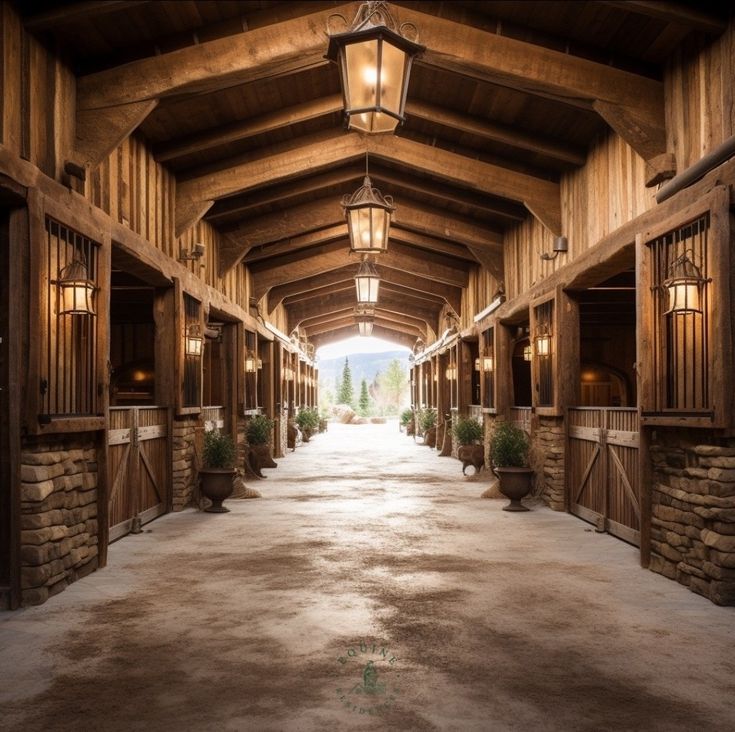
514, 484
216, 484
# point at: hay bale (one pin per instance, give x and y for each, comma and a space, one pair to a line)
359, 420
377, 420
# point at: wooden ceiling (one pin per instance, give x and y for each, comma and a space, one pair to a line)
237, 100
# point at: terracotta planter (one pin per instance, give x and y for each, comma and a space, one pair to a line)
471, 455
216, 485
514, 483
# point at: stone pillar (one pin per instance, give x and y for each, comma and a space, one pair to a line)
184, 467
547, 459
59, 528
693, 512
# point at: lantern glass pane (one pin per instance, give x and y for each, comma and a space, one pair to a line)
392, 76
367, 289
361, 66
542, 345
77, 298
684, 297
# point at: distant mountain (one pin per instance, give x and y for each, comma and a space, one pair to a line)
362, 365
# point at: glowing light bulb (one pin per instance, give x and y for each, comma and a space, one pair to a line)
370, 75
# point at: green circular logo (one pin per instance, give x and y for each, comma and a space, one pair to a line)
371, 678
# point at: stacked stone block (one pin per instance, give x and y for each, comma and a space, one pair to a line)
59, 527
547, 458
184, 468
693, 513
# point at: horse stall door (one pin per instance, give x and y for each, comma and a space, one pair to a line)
138, 464
602, 475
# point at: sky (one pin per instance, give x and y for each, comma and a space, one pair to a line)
358, 344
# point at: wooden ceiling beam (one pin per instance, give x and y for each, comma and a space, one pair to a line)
334, 255
379, 331
249, 128
338, 301
631, 104
316, 221
112, 103
334, 278
418, 331
351, 177
344, 276
267, 51
318, 152
510, 136
317, 323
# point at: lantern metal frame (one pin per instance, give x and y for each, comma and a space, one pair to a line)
373, 23
685, 278
74, 281
367, 272
376, 226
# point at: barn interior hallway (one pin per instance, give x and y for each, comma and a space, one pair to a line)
253, 620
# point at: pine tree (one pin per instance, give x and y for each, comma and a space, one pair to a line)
346, 392
364, 403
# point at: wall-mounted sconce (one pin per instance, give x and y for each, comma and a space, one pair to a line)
527, 353
561, 245
488, 364
259, 364
196, 252
684, 285
543, 344
193, 341
76, 290
250, 364
451, 373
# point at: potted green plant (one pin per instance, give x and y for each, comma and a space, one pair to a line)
218, 469
469, 433
427, 424
258, 433
406, 419
308, 422
509, 448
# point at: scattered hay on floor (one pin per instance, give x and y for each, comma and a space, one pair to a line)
492, 491
243, 491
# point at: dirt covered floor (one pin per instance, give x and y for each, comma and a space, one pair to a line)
369, 588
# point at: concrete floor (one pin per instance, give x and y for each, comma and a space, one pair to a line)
370, 588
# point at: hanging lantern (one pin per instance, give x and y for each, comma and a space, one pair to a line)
365, 327
368, 215
374, 59
367, 282
194, 341
685, 285
250, 363
488, 364
527, 352
76, 290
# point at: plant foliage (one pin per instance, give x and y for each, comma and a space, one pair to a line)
308, 420
468, 431
259, 430
364, 401
509, 446
346, 393
406, 417
427, 419
219, 450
